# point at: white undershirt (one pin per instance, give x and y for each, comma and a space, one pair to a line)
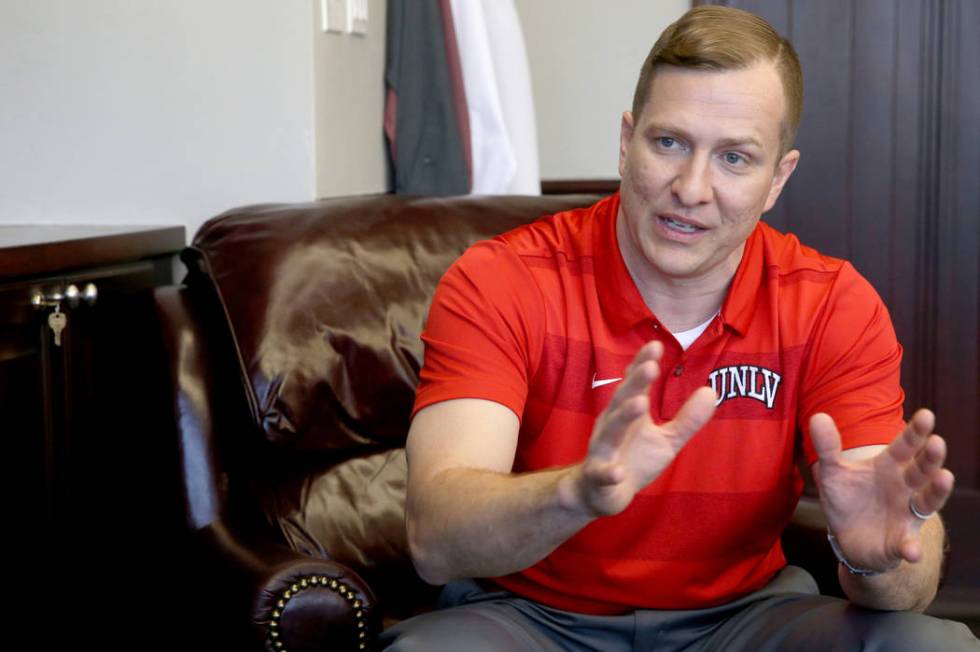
686, 338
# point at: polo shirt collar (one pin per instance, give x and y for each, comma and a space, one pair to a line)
623, 306
743, 295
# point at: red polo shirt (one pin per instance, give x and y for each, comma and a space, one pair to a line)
537, 318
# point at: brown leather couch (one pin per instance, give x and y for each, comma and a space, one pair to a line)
294, 350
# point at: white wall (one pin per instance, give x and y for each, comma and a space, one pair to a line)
153, 111
349, 105
171, 111
585, 56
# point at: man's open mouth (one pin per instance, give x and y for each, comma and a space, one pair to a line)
682, 227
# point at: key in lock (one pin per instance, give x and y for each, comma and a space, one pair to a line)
57, 321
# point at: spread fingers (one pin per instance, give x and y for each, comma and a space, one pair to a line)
911, 439
644, 369
933, 496
615, 425
926, 462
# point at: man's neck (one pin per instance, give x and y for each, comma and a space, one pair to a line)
680, 308
680, 303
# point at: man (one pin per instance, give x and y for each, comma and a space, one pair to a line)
604, 508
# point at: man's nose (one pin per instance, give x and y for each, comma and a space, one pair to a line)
692, 185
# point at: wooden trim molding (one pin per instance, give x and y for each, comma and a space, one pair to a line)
579, 186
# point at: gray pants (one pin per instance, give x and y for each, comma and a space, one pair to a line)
787, 614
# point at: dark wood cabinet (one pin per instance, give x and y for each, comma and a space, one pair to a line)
86, 422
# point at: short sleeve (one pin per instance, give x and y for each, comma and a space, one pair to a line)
484, 330
853, 368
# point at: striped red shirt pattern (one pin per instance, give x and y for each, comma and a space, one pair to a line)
538, 318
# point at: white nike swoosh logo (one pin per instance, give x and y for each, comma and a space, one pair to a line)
600, 383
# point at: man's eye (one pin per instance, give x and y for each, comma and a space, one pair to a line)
666, 142
733, 159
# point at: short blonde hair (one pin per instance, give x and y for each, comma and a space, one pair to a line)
724, 38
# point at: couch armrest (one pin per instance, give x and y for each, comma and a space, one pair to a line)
191, 386
270, 595
294, 602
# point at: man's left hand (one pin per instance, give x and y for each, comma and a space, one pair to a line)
867, 501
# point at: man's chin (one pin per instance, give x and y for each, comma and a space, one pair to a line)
673, 268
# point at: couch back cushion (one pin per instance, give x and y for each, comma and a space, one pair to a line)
325, 303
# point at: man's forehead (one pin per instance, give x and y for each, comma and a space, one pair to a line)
764, 72
746, 104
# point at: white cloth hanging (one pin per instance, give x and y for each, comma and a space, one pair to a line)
494, 163
513, 77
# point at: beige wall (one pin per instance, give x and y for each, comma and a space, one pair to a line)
157, 111
171, 111
585, 56
349, 105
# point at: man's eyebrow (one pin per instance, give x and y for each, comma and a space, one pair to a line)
739, 141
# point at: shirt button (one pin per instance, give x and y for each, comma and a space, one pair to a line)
678, 370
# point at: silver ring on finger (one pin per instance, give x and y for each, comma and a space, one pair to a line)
916, 513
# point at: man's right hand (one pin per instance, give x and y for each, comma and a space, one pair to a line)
627, 450
468, 515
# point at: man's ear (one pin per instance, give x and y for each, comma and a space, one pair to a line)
625, 136
784, 169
